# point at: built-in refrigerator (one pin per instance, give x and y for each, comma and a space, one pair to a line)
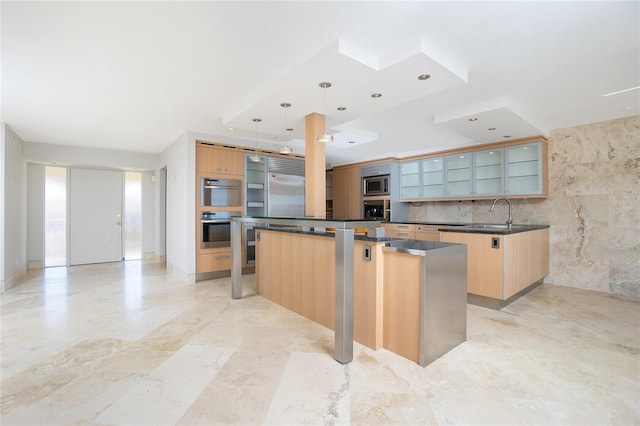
285, 195
274, 187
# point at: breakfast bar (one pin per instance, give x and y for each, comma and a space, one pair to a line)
344, 234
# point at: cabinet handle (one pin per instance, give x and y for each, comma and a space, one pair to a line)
401, 234
403, 226
222, 257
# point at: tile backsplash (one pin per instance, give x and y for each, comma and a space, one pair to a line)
593, 207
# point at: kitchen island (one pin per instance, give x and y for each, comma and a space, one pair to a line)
295, 268
343, 250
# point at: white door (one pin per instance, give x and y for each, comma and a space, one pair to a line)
95, 216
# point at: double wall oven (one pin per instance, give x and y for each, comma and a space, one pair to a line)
220, 200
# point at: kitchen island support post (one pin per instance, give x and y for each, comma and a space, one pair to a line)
236, 260
344, 295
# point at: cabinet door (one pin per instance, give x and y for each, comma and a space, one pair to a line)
488, 171
484, 262
255, 178
459, 175
523, 169
427, 233
410, 180
432, 174
346, 192
217, 161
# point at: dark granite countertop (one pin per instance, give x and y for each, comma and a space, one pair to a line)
486, 228
358, 237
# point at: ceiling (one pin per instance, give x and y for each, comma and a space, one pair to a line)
138, 75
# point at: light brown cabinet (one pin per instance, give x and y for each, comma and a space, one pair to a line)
297, 271
216, 161
427, 233
400, 230
500, 266
347, 192
213, 262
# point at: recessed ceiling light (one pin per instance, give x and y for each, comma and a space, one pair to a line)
491, 152
473, 119
376, 95
492, 128
342, 108
352, 142
424, 77
525, 147
231, 129
462, 156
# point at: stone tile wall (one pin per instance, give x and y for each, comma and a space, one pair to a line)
593, 207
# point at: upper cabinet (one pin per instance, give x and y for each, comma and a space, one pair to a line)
422, 178
488, 172
460, 175
517, 170
216, 161
524, 171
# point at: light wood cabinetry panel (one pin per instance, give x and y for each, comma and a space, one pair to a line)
402, 230
213, 262
216, 161
297, 271
484, 263
401, 323
346, 192
427, 233
521, 260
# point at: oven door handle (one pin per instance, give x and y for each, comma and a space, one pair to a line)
221, 187
214, 221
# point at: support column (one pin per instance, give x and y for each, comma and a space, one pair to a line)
315, 193
236, 259
344, 296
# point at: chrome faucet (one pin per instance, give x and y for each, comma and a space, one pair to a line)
509, 219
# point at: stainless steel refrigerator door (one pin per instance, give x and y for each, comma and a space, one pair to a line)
285, 195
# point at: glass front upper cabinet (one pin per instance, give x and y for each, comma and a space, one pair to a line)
432, 173
409, 180
460, 175
488, 172
523, 169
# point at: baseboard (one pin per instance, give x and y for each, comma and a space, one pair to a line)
35, 264
497, 304
14, 279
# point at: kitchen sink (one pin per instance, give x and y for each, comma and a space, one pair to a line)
489, 226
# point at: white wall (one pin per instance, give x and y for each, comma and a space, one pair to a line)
35, 215
88, 157
179, 159
15, 227
148, 212
2, 148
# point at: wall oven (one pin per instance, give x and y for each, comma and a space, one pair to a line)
375, 185
216, 192
373, 209
216, 229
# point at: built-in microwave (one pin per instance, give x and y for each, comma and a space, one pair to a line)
375, 185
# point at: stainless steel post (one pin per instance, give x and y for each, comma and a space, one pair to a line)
236, 259
344, 295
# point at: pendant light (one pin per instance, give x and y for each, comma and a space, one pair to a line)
255, 157
325, 137
286, 149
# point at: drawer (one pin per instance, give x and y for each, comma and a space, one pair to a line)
213, 262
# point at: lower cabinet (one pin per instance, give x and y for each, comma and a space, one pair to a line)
297, 271
427, 233
400, 230
500, 266
213, 262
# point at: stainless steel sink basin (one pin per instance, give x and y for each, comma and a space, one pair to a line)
490, 226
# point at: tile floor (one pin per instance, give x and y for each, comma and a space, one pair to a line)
124, 343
